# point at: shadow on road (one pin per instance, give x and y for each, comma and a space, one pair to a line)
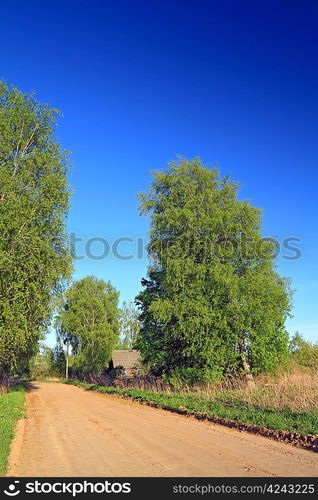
31, 386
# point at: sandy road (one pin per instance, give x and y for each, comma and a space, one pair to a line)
71, 432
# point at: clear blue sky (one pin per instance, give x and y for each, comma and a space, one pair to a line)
139, 82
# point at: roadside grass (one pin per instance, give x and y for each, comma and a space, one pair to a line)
238, 405
11, 409
295, 389
49, 380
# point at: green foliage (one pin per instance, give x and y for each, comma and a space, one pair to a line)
58, 361
129, 326
34, 197
48, 362
41, 363
191, 375
212, 303
272, 418
304, 353
89, 322
11, 409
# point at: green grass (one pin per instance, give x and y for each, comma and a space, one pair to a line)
222, 406
11, 409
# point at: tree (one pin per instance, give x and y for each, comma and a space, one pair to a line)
305, 353
58, 361
129, 326
48, 362
34, 201
89, 322
212, 303
40, 364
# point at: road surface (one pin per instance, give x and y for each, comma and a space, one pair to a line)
72, 432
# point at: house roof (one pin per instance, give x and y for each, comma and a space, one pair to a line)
128, 359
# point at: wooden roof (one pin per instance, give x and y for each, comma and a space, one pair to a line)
128, 359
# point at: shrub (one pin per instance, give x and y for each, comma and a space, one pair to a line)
304, 353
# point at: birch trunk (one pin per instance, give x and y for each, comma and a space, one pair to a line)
246, 366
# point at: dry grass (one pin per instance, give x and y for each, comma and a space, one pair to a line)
295, 389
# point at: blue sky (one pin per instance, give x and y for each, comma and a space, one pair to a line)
141, 82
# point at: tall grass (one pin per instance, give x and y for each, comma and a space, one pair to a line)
295, 389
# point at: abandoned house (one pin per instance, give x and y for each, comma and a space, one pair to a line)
128, 360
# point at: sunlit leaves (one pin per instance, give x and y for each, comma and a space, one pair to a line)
89, 321
34, 198
212, 295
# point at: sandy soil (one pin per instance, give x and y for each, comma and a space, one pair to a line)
72, 432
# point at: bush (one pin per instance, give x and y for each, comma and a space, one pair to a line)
302, 352
188, 376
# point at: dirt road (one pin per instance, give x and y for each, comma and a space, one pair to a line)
71, 432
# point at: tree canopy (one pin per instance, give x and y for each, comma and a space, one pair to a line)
89, 322
212, 303
34, 202
129, 326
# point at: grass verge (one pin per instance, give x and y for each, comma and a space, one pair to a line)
11, 409
49, 380
280, 423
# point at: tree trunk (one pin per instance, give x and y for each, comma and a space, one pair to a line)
66, 369
246, 366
